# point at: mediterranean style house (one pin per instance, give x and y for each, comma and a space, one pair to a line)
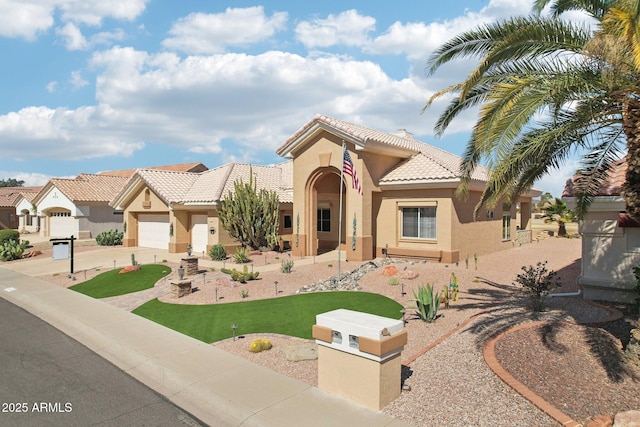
80, 207
404, 204
610, 241
14, 213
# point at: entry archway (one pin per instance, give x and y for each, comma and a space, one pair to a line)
322, 211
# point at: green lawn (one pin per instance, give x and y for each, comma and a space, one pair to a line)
292, 315
111, 283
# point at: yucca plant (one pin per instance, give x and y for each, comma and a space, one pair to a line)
427, 303
241, 255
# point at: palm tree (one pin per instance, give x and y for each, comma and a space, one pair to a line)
546, 88
558, 212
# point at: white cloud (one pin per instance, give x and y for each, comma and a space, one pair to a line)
30, 179
77, 81
202, 33
62, 134
72, 37
554, 181
51, 87
29, 18
347, 28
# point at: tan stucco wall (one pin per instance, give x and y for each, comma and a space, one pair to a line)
367, 382
609, 254
138, 204
321, 156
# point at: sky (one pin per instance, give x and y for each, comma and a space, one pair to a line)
92, 85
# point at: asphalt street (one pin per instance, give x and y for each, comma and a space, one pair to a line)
49, 379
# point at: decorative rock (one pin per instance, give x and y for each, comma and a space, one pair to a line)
601, 421
296, 353
633, 348
130, 268
389, 270
180, 289
407, 274
223, 281
190, 266
627, 419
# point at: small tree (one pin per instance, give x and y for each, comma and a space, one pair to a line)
537, 282
251, 216
558, 212
11, 182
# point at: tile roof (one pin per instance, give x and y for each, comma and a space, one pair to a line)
427, 163
180, 167
212, 185
611, 187
89, 187
9, 195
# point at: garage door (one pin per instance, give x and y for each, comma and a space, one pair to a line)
199, 233
62, 224
153, 231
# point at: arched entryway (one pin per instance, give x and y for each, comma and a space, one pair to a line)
323, 211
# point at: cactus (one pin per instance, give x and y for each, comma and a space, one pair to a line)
250, 216
286, 266
12, 249
133, 259
453, 287
241, 276
241, 255
218, 252
444, 296
427, 303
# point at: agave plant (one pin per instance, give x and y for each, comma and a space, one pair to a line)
427, 303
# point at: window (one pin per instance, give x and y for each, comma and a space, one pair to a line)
506, 226
288, 222
60, 214
419, 223
324, 220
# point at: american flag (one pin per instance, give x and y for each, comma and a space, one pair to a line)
349, 169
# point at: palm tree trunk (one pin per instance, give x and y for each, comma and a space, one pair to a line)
631, 187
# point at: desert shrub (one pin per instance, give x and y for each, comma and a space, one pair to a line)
259, 345
218, 252
241, 255
12, 249
537, 281
109, 238
427, 303
286, 266
6, 235
244, 293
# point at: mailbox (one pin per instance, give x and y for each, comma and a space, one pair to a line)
359, 356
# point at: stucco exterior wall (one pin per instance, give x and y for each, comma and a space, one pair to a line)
141, 201
609, 253
100, 218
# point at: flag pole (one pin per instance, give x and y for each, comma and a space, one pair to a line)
344, 147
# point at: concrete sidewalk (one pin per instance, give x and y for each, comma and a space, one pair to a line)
219, 388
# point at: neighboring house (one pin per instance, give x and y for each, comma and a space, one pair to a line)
610, 241
79, 207
10, 216
28, 220
408, 206
171, 210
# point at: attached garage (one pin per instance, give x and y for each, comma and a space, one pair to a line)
62, 224
199, 233
153, 231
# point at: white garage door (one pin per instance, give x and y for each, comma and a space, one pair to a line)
199, 233
153, 231
62, 224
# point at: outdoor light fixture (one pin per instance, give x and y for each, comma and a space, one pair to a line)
233, 328
276, 283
